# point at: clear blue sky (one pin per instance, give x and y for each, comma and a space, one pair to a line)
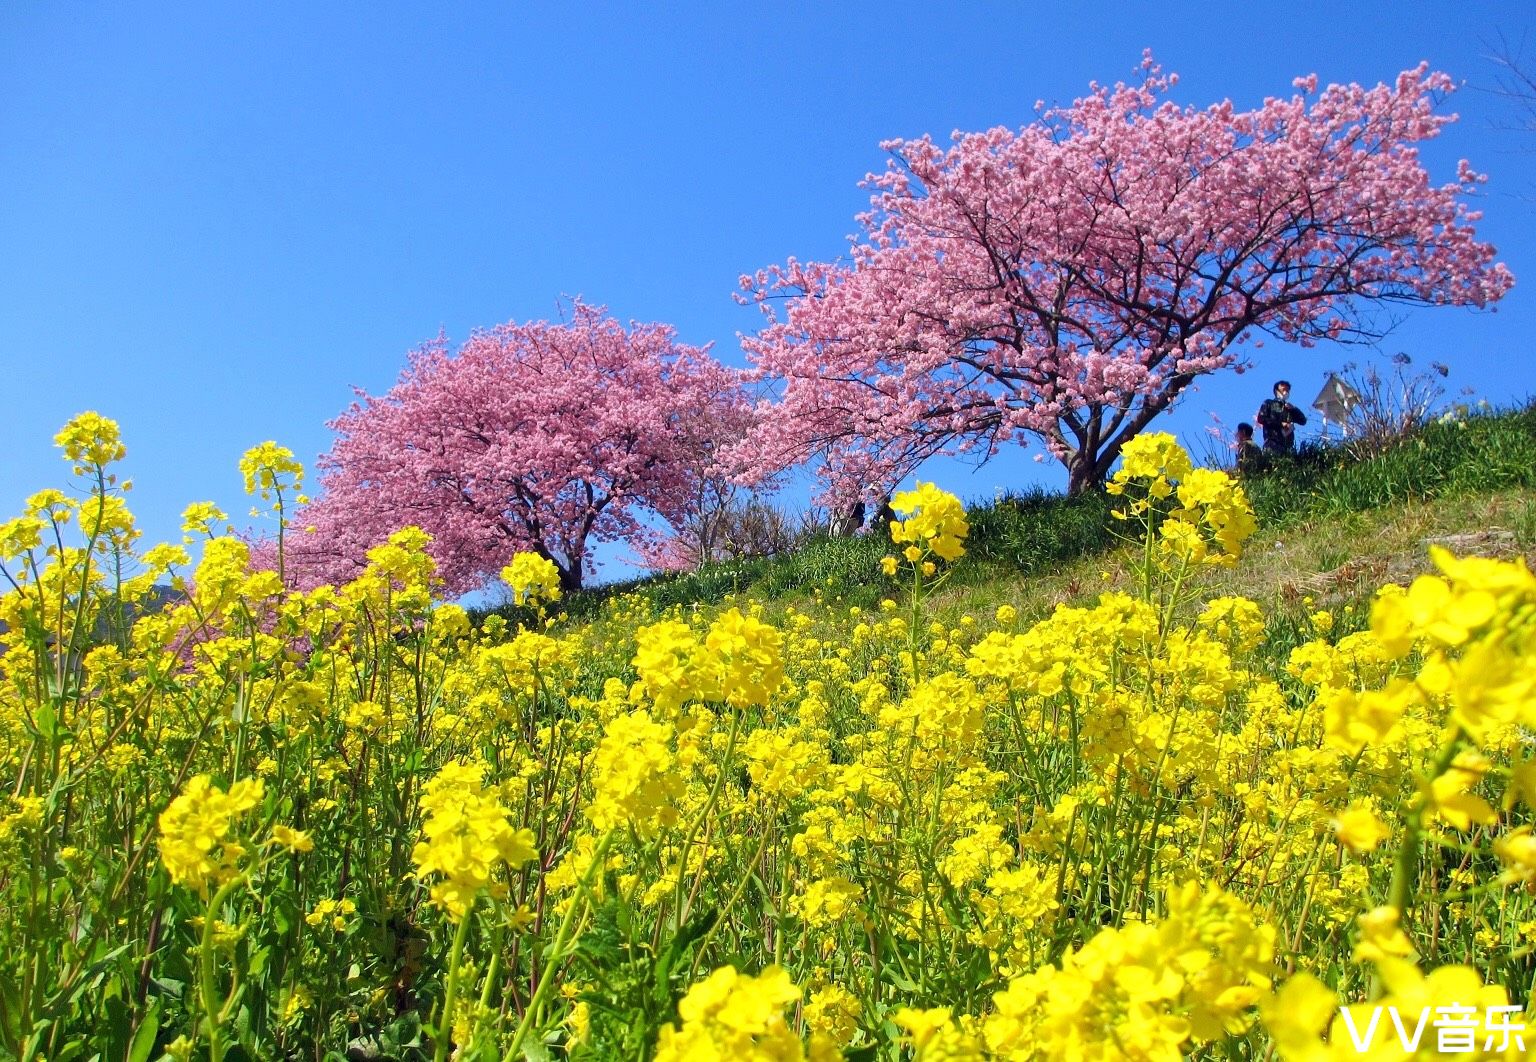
217, 218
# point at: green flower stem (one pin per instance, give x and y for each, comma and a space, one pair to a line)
914, 616
556, 953
450, 997
1405, 868
498, 935
730, 904
213, 1014
678, 899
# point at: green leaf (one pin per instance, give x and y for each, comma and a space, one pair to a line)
116, 1024
91, 978
242, 1022
47, 720
10, 1003
144, 1040
166, 986
678, 946
34, 1044
536, 1051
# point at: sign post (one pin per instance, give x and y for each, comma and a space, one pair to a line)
1334, 402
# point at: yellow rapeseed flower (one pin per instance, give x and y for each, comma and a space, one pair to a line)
634, 776
731, 1016
532, 578
90, 441
1359, 829
467, 837
936, 523
268, 467
196, 842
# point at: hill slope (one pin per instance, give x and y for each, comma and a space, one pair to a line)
1331, 525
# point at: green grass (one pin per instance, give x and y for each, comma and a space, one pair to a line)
1478, 456
1032, 534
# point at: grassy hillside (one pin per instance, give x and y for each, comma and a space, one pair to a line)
1316, 513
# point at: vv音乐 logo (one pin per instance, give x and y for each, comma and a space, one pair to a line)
1456, 1029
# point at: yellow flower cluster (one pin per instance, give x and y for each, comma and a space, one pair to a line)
1208, 518
20, 535
467, 837
91, 441
1155, 457
1142, 991
743, 660
25, 814
729, 1016
332, 914
1210, 503
739, 661
937, 1035
399, 571
202, 518
1448, 1013
1099, 836
532, 578
196, 842
1476, 623
936, 525
269, 469
635, 780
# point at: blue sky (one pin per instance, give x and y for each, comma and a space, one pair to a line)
216, 219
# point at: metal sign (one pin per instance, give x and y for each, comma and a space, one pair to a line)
1335, 400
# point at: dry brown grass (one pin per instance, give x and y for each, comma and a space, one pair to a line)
1329, 563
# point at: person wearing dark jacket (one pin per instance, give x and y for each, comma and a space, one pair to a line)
1250, 458
1279, 418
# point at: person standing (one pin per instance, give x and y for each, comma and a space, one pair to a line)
1250, 458
1279, 418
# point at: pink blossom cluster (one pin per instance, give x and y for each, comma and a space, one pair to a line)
540, 436
1068, 280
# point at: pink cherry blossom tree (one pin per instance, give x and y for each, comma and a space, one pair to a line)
538, 436
1067, 281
